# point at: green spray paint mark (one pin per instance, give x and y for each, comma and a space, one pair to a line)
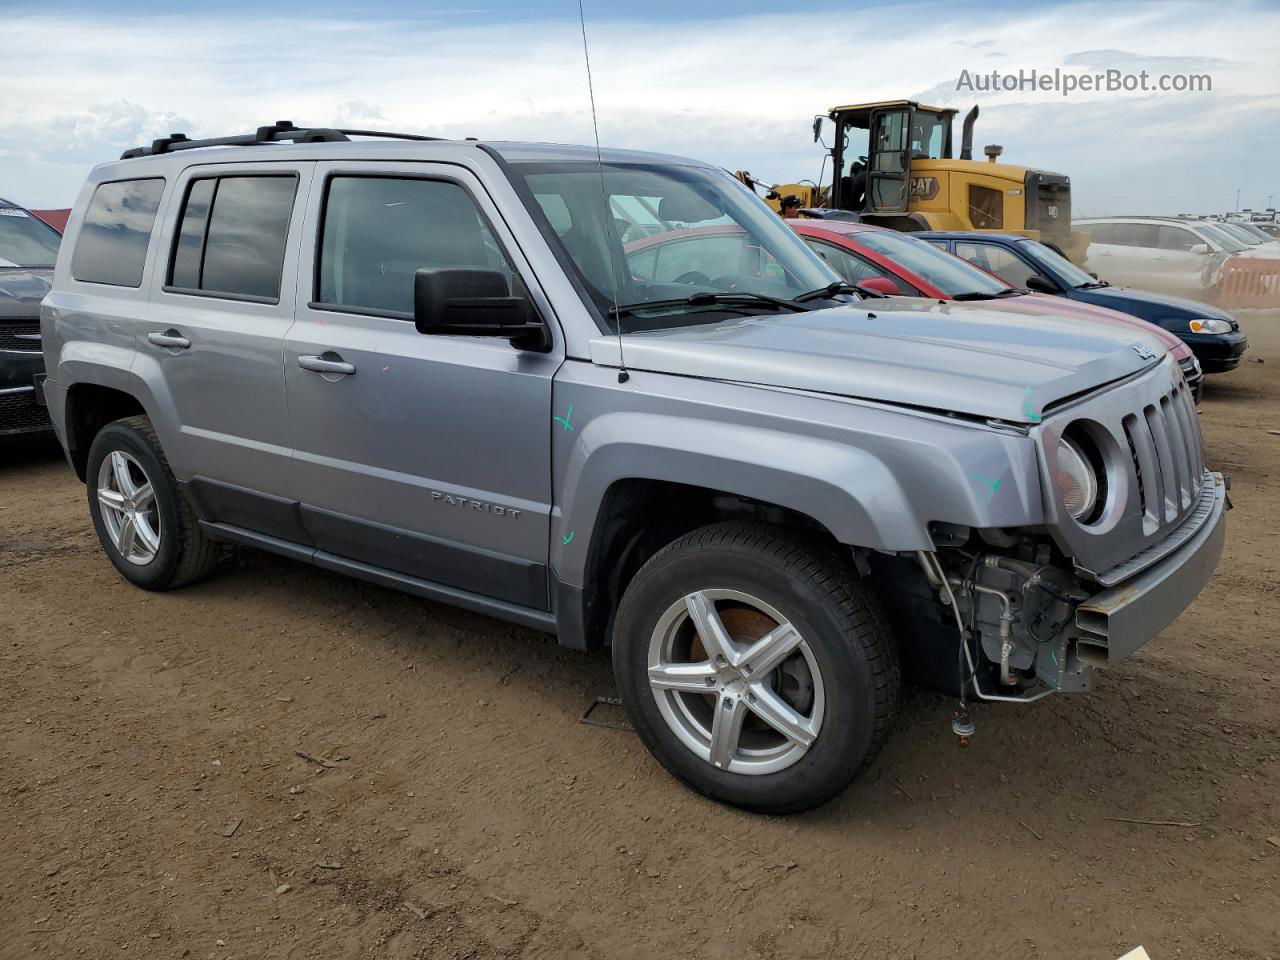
569, 539
991, 485
566, 418
1028, 410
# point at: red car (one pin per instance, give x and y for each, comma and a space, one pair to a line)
887, 261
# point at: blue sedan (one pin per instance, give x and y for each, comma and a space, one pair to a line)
1212, 334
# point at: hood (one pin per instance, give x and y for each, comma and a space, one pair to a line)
1151, 303
1043, 304
962, 358
21, 290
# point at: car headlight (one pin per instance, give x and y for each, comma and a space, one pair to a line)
1210, 325
1077, 482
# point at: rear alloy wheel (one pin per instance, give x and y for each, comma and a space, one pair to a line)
756, 666
127, 499
143, 520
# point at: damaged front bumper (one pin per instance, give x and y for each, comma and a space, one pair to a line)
1116, 622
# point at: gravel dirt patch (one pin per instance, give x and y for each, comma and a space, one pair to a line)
155, 799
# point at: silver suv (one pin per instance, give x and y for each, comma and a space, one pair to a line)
441, 367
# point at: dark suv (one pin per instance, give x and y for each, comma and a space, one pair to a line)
28, 249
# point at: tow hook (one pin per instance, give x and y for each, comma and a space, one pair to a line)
962, 726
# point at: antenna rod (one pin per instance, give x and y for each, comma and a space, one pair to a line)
623, 376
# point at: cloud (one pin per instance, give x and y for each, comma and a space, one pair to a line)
80, 89
1127, 60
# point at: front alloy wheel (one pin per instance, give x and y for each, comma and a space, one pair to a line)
736, 682
756, 665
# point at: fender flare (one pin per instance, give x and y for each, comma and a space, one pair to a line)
871, 510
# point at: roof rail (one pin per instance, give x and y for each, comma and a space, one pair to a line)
279, 132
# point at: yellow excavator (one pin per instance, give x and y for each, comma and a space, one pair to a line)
909, 179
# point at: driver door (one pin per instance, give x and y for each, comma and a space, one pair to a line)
889, 161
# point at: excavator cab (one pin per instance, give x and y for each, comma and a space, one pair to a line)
875, 144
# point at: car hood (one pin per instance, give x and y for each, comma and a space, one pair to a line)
1151, 303
960, 358
1042, 304
21, 290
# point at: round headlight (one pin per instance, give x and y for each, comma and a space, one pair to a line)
1077, 482
1210, 325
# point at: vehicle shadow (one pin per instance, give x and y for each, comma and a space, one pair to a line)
24, 451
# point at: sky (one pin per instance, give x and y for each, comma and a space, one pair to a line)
736, 84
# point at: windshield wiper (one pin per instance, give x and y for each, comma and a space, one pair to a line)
834, 289
1094, 285
979, 295
708, 299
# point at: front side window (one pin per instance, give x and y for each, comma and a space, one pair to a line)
1176, 238
26, 240
986, 207
112, 245
670, 232
998, 260
948, 273
231, 237
379, 231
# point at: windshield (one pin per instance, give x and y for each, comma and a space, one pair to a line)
1240, 233
1067, 271
949, 274
1223, 239
26, 240
674, 231
1255, 231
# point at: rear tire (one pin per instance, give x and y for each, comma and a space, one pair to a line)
143, 520
788, 731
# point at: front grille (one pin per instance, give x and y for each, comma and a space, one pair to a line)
20, 414
1164, 442
24, 337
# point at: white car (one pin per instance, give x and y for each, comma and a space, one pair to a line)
1179, 257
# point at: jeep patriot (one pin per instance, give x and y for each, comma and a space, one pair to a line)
452, 368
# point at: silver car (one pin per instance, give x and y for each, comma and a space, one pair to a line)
438, 366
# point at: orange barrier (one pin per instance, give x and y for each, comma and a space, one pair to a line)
1249, 283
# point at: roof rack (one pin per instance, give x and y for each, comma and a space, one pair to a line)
279, 132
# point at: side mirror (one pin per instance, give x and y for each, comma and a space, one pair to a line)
1042, 284
474, 302
817, 128
1094, 275
880, 285
1199, 248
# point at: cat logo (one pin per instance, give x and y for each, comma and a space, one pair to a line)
924, 188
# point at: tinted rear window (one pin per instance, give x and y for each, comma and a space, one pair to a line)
112, 245
231, 238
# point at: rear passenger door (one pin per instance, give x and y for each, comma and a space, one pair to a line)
214, 335
427, 456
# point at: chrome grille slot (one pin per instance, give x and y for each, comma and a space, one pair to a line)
1164, 443
1144, 465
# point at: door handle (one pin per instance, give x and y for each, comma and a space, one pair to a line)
170, 339
328, 363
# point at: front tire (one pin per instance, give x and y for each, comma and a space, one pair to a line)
143, 521
756, 666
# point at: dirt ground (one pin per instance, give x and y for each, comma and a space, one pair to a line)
154, 803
